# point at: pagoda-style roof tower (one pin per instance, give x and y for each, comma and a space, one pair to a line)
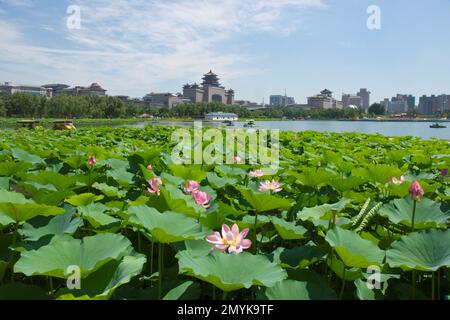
210, 79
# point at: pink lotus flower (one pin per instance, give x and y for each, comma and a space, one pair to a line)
92, 161
444, 173
267, 185
230, 239
416, 191
256, 174
237, 160
154, 187
191, 186
150, 167
396, 181
202, 198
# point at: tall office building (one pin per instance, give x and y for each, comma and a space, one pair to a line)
365, 99
280, 100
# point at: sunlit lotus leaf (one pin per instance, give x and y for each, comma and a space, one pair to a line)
59, 225
353, 250
102, 283
173, 199
95, 213
319, 212
192, 172
25, 156
84, 199
167, 227
230, 272
89, 254
381, 173
428, 212
109, 191
121, 176
11, 168
427, 250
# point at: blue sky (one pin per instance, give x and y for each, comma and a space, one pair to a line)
258, 47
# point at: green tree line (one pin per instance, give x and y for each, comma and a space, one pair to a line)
63, 106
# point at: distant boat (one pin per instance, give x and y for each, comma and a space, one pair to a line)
437, 126
28, 124
229, 123
63, 125
249, 124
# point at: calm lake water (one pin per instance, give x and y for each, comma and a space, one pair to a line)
419, 129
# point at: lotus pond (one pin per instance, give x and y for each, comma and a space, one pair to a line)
104, 214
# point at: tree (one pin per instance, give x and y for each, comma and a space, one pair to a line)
2, 108
377, 109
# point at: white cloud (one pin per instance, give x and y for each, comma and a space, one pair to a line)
134, 46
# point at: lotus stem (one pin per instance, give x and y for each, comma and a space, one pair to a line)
224, 295
151, 261
343, 285
160, 268
413, 215
432, 286
139, 242
51, 284
439, 284
413, 284
214, 292
256, 232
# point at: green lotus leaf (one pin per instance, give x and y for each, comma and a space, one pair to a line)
363, 292
173, 199
20, 212
319, 212
186, 289
121, 176
298, 257
59, 225
428, 212
298, 290
52, 198
25, 156
314, 178
13, 197
427, 250
230, 272
346, 184
353, 250
231, 171
219, 182
248, 221
59, 181
95, 214
381, 173
4, 183
89, 254
167, 227
188, 172
84, 199
263, 202
288, 230
101, 284
13, 168
108, 190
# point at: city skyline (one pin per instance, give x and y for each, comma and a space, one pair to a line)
133, 48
